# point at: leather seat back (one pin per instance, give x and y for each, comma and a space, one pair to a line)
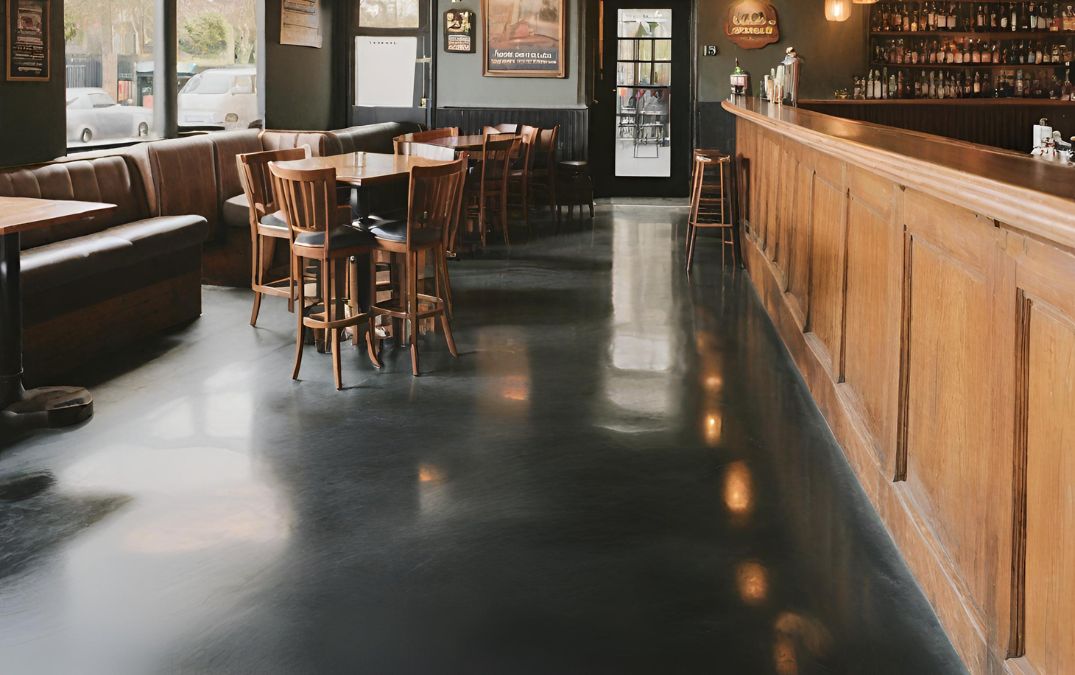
111, 179
226, 145
180, 178
321, 143
372, 137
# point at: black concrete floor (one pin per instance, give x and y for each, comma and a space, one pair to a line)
622, 473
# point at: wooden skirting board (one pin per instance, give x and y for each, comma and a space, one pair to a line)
938, 341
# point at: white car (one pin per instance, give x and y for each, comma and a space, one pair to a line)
93, 115
226, 98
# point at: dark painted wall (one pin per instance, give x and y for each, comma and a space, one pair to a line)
299, 80
832, 52
32, 114
460, 81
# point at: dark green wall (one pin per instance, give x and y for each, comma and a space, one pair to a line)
832, 53
32, 115
299, 80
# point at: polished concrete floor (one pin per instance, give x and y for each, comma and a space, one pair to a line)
622, 473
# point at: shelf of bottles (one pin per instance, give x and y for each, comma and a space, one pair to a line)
946, 49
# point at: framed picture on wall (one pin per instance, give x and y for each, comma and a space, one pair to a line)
523, 38
28, 48
459, 31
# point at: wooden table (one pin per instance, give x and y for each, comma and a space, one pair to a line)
363, 169
46, 406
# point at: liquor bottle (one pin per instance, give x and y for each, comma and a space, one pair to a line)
1024, 18
1005, 17
905, 19
1032, 17
992, 17
1014, 18
1069, 19
915, 17
1019, 85
976, 87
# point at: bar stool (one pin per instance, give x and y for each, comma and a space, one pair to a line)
266, 226
433, 204
321, 231
574, 187
710, 208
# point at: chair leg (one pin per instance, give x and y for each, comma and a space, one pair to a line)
504, 217
692, 238
332, 334
412, 307
482, 223
300, 336
445, 321
446, 284
371, 323
256, 309
525, 198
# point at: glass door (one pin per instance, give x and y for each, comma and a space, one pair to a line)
643, 93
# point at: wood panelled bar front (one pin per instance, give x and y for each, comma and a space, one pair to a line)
926, 290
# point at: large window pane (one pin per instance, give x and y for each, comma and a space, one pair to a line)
217, 64
109, 70
388, 13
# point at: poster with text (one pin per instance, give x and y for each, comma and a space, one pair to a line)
28, 40
300, 23
524, 38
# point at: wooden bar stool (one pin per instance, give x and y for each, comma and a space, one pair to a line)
266, 226
432, 206
321, 231
710, 206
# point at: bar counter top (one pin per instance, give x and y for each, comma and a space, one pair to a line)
1022, 191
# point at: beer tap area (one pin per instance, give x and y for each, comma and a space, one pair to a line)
984, 72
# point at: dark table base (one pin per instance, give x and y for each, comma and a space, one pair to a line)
49, 407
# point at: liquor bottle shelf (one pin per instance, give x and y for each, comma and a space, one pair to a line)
992, 35
966, 66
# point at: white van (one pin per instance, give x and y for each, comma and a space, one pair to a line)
220, 97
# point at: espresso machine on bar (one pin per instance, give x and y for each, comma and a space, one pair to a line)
781, 85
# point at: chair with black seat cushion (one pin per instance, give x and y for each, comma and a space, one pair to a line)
266, 226
321, 231
542, 179
487, 185
433, 204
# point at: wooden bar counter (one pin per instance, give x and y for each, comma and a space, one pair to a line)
926, 290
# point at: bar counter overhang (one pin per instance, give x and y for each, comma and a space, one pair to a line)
925, 288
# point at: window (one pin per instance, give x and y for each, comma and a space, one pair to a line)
388, 13
109, 70
217, 64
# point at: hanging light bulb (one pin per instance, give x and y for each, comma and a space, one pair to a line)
837, 10
864, 2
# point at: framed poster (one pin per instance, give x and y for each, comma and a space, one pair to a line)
28, 48
300, 23
523, 38
459, 31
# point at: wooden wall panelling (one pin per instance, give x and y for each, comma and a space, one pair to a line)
871, 357
1043, 585
827, 262
956, 451
798, 237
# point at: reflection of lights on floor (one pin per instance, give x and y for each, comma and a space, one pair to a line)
784, 658
713, 427
713, 383
516, 388
738, 489
752, 582
427, 473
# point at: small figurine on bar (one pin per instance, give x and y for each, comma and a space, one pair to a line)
740, 80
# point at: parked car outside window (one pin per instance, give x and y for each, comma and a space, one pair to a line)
94, 116
224, 98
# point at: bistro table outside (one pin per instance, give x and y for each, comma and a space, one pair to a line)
45, 406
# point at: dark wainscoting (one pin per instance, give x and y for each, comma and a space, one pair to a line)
1003, 123
714, 127
574, 124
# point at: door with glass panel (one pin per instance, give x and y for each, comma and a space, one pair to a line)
642, 122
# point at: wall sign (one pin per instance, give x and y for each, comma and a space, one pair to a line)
28, 48
459, 31
300, 23
752, 24
523, 38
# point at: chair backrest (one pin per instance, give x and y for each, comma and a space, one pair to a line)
528, 136
307, 197
545, 148
435, 196
425, 150
257, 182
507, 128
496, 160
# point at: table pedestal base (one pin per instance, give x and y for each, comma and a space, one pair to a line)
49, 407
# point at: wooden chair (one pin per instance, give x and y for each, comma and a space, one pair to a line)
266, 226
519, 177
417, 149
710, 206
433, 203
321, 232
542, 180
488, 188
422, 136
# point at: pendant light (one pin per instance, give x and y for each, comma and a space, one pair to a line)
864, 2
837, 10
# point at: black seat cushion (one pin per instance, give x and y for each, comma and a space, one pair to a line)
275, 221
343, 236
396, 231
